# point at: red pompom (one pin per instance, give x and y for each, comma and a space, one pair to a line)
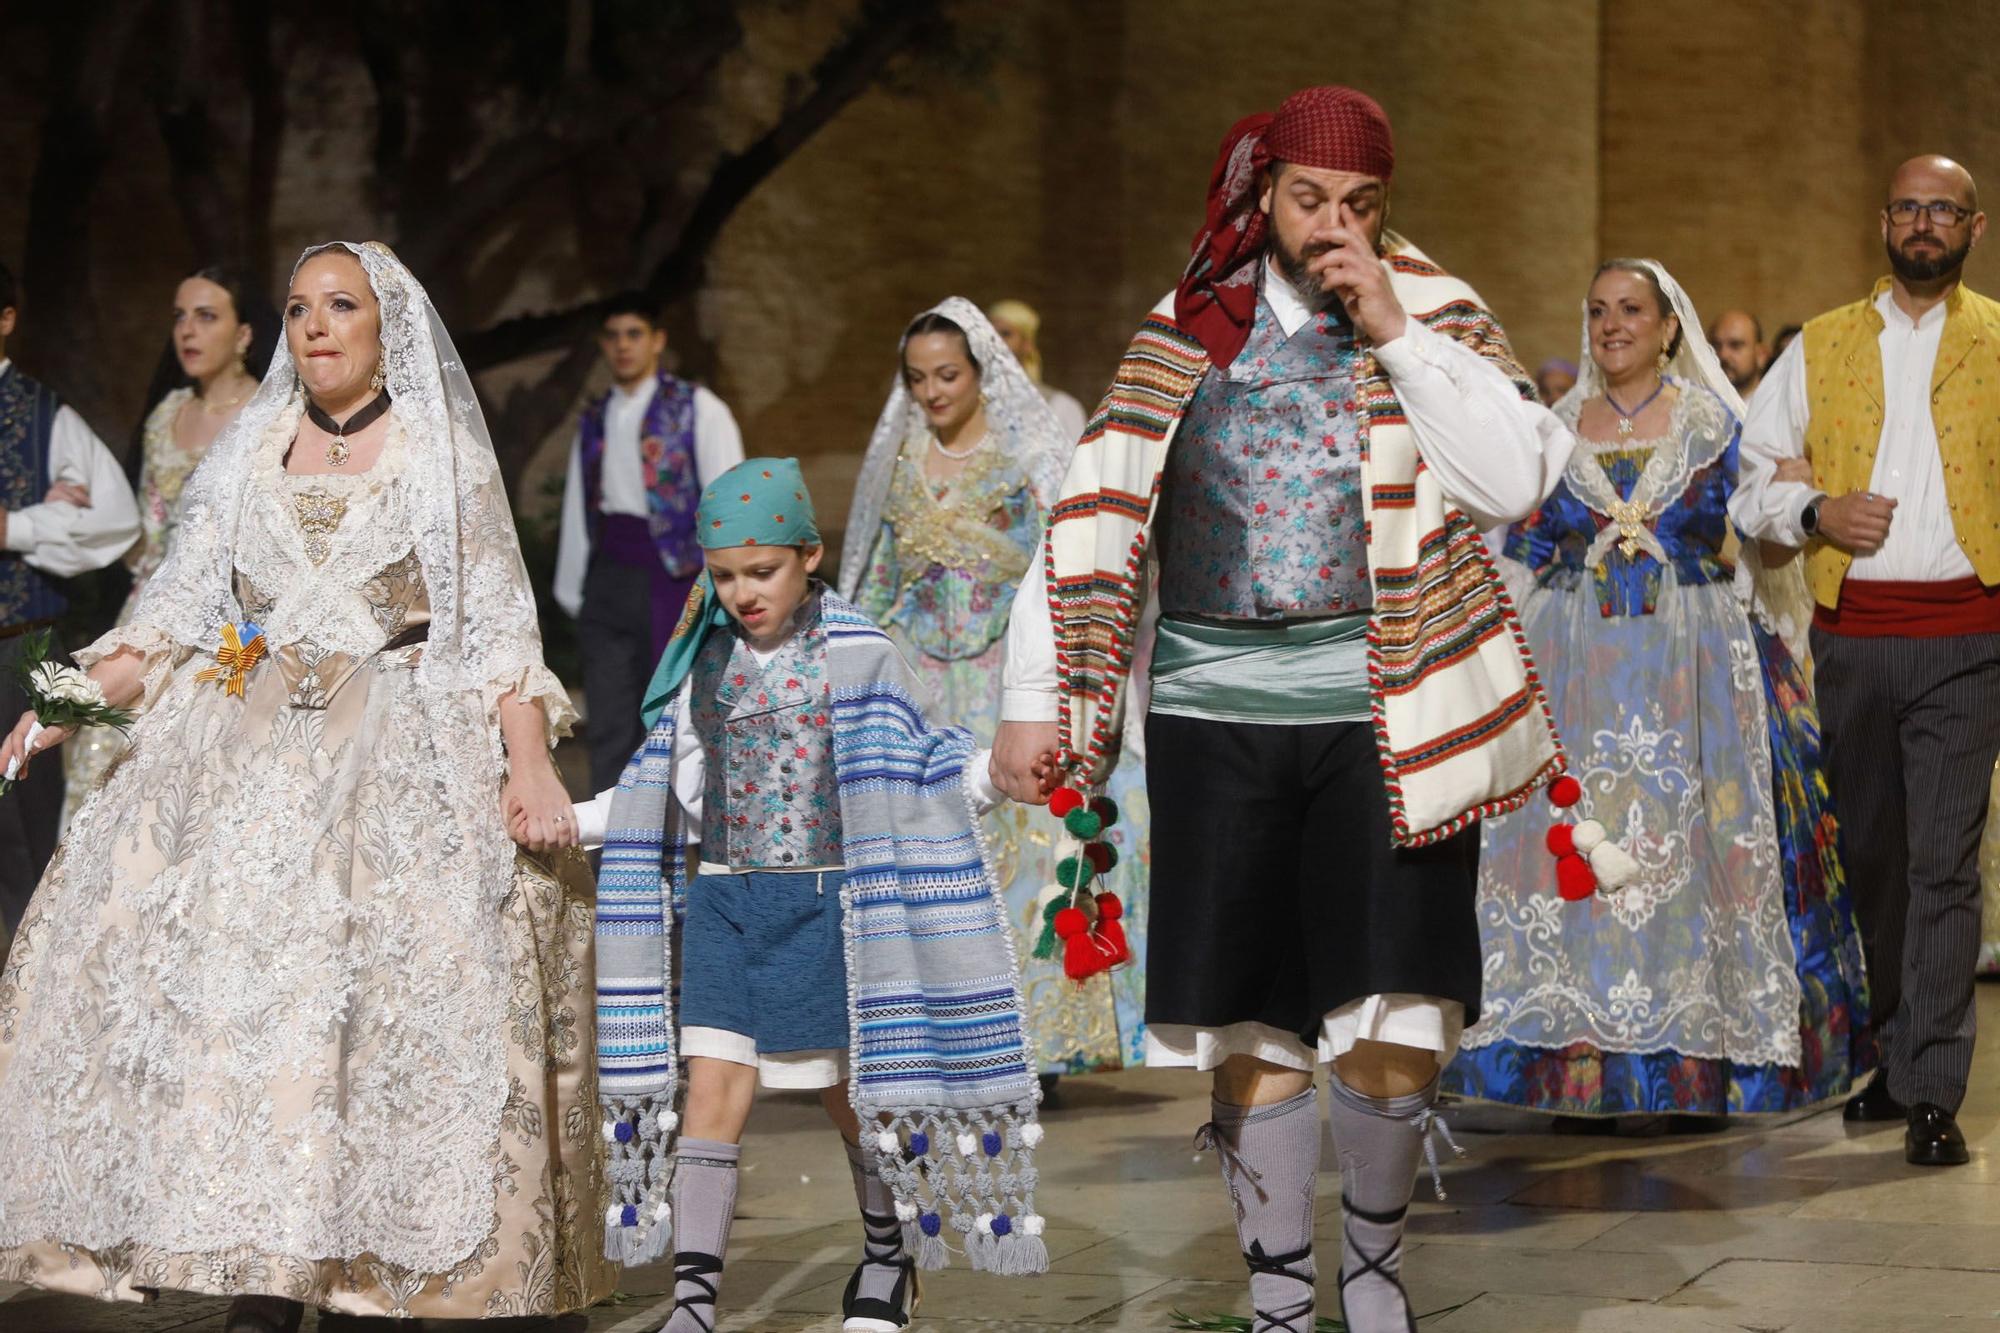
1561, 839
1105, 809
1574, 880
1108, 907
1565, 792
1071, 922
1113, 936
1063, 800
1085, 956
1102, 855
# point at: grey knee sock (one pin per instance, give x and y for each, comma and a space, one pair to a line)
1380, 1142
1270, 1161
704, 1204
881, 1234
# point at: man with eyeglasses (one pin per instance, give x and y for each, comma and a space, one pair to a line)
1893, 403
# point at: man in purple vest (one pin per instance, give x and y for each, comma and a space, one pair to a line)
65, 509
627, 554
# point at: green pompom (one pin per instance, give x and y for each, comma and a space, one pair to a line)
1073, 872
1083, 823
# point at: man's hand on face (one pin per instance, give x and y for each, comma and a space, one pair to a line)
1353, 272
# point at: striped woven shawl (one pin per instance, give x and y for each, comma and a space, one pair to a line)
1461, 721
942, 1082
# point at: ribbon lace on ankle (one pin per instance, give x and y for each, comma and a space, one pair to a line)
1428, 1121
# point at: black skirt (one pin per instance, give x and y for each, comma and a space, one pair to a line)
1276, 895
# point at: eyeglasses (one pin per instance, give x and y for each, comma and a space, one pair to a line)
1944, 213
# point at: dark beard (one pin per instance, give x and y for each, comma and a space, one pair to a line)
1292, 267
1911, 268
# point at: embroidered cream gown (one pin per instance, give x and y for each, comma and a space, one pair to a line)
261, 1032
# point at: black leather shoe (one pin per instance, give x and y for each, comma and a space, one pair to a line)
1873, 1103
1933, 1138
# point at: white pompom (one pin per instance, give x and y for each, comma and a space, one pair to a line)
905, 1211
985, 1223
1613, 865
967, 1145
610, 1131
1031, 1134
614, 1216
670, 1122
1032, 1224
1048, 895
886, 1142
661, 1212
1587, 836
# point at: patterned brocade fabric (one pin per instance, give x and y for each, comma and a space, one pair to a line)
543, 1251
1261, 500
771, 791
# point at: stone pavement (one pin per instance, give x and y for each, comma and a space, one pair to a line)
1791, 1223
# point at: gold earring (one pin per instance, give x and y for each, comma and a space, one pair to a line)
375, 381
1664, 358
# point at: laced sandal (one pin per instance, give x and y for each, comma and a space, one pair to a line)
696, 1267
1291, 1318
1374, 1263
872, 1314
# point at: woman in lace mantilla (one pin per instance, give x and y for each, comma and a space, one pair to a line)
1728, 977
948, 511
290, 1018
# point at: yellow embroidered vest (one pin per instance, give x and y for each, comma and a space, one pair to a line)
1844, 397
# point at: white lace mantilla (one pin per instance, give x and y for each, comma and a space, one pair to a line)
261, 1002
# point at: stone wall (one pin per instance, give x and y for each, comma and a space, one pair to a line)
1746, 145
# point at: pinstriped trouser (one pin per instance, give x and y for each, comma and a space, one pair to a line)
1912, 728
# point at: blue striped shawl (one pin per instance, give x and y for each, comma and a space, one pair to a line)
942, 1081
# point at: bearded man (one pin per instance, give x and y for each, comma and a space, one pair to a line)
1303, 442
1894, 403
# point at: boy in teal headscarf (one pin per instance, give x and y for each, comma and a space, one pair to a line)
808, 914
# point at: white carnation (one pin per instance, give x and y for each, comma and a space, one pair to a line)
65, 684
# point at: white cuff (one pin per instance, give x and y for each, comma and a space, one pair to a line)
1025, 705
1406, 352
979, 782
593, 817
22, 535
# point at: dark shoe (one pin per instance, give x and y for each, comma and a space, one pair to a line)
263, 1314
1873, 1103
871, 1314
1933, 1138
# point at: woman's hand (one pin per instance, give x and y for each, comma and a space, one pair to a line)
537, 809
15, 747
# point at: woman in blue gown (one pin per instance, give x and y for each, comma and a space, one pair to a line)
1728, 976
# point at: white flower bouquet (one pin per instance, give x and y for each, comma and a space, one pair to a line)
60, 695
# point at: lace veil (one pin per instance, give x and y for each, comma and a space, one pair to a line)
1016, 414
1777, 596
483, 626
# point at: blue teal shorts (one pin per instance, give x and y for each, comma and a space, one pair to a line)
762, 954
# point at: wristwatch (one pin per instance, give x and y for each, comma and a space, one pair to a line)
1809, 519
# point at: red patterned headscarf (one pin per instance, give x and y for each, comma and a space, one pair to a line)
1328, 128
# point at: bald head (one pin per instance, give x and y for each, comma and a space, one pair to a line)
1930, 223
1934, 176
1738, 340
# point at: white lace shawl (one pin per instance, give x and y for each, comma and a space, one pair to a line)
1777, 597
1017, 417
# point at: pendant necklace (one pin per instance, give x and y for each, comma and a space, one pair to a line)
336, 449
1625, 418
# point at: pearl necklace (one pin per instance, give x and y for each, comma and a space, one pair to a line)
958, 455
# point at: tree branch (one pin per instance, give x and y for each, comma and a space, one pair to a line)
840, 76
